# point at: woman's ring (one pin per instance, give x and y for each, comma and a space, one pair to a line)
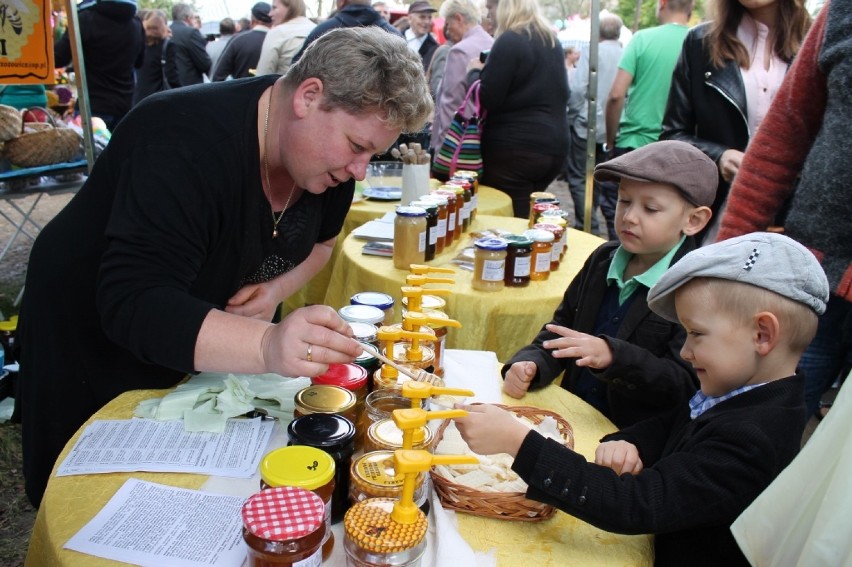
309, 357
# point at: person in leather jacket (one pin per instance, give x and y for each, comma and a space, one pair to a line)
727, 75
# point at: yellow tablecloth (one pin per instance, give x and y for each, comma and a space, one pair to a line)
491, 202
72, 501
501, 321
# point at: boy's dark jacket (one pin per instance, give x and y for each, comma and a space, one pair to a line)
698, 477
647, 375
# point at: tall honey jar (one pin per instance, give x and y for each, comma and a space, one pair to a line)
373, 476
284, 526
542, 247
489, 264
303, 467
409, 237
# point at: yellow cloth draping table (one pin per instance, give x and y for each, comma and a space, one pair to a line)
72, 501
490, 202
501, 321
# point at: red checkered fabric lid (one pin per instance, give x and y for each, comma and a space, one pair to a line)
282, 513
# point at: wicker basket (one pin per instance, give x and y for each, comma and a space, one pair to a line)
44, 147
10, 122
501, 505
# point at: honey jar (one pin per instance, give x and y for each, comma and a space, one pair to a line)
442, 205
384, 435
336, 436
542, 246
351, 377
373, 476
556, 249
324, 398
409, 237
489, 264
303, 467
284, 526
451, 234
374, 538
362, 314
375, 299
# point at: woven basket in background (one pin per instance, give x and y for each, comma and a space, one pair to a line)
44, 147
500, 505
10, 122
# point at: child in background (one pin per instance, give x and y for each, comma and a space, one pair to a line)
749, 306
615, 353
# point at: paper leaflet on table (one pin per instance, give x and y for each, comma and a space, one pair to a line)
131, 445
153, 525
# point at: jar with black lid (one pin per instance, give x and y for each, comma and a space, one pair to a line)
335, 435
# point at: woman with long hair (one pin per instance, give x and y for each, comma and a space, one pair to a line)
524, 89
290, 28
728, 73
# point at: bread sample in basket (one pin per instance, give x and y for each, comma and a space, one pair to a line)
491, 488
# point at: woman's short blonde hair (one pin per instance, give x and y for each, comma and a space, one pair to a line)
295, 9
364, 70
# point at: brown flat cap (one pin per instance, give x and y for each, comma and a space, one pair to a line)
670, 161
420, 6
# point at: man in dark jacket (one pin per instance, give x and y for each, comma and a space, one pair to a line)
190, 47
350, 14
418, 35
158, 72
243, 51
113, 46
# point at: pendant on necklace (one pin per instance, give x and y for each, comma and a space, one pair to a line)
274, 233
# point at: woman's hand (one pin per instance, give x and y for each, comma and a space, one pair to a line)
307, 341
620, 456
258, 301
489, 430
729, 164
518, 378
589, 350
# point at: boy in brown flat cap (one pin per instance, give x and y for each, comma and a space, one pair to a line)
615, 353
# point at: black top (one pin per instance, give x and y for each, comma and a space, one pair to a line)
351, 16
152, 75
191, 55
170, 224
113, 45
525, 91
698, 477
241, 54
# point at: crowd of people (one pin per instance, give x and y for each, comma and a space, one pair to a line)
705, 336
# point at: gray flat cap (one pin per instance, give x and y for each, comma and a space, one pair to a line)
670, 161
763, 259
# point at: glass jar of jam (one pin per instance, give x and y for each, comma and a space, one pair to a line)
542, 246
473, 178
336, 436
489, 264
375, 299
409, 237
442, 205
284, 526
304, 467
556, 249
364, 332
431, 226
373, 476
374, 539
384, 435
560, 218
450, 196
518, 259
324, 398
351, 377
361, 314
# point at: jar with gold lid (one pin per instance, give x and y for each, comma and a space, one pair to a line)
284, 526
303, 467
324, 398
374, 539
384, 435
373, 476
336, 436
351, 377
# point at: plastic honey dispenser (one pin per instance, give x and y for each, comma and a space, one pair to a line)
419, 391
387, 376
415, 296
386, 532
413, 320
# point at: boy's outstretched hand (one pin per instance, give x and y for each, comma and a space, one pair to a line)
518, 378
488, 430
620, 456
587, 349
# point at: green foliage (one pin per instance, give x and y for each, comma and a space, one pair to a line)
164, 5
626, 9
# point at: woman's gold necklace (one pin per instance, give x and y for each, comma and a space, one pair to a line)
275, 221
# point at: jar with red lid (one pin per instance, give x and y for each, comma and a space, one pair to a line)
539, 208
284, 526
303, 467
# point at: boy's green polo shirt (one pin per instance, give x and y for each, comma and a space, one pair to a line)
647, 278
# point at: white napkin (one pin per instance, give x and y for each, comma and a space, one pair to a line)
445, 546
475, 370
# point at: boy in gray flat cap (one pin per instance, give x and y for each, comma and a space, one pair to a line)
616, 354
749, 306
